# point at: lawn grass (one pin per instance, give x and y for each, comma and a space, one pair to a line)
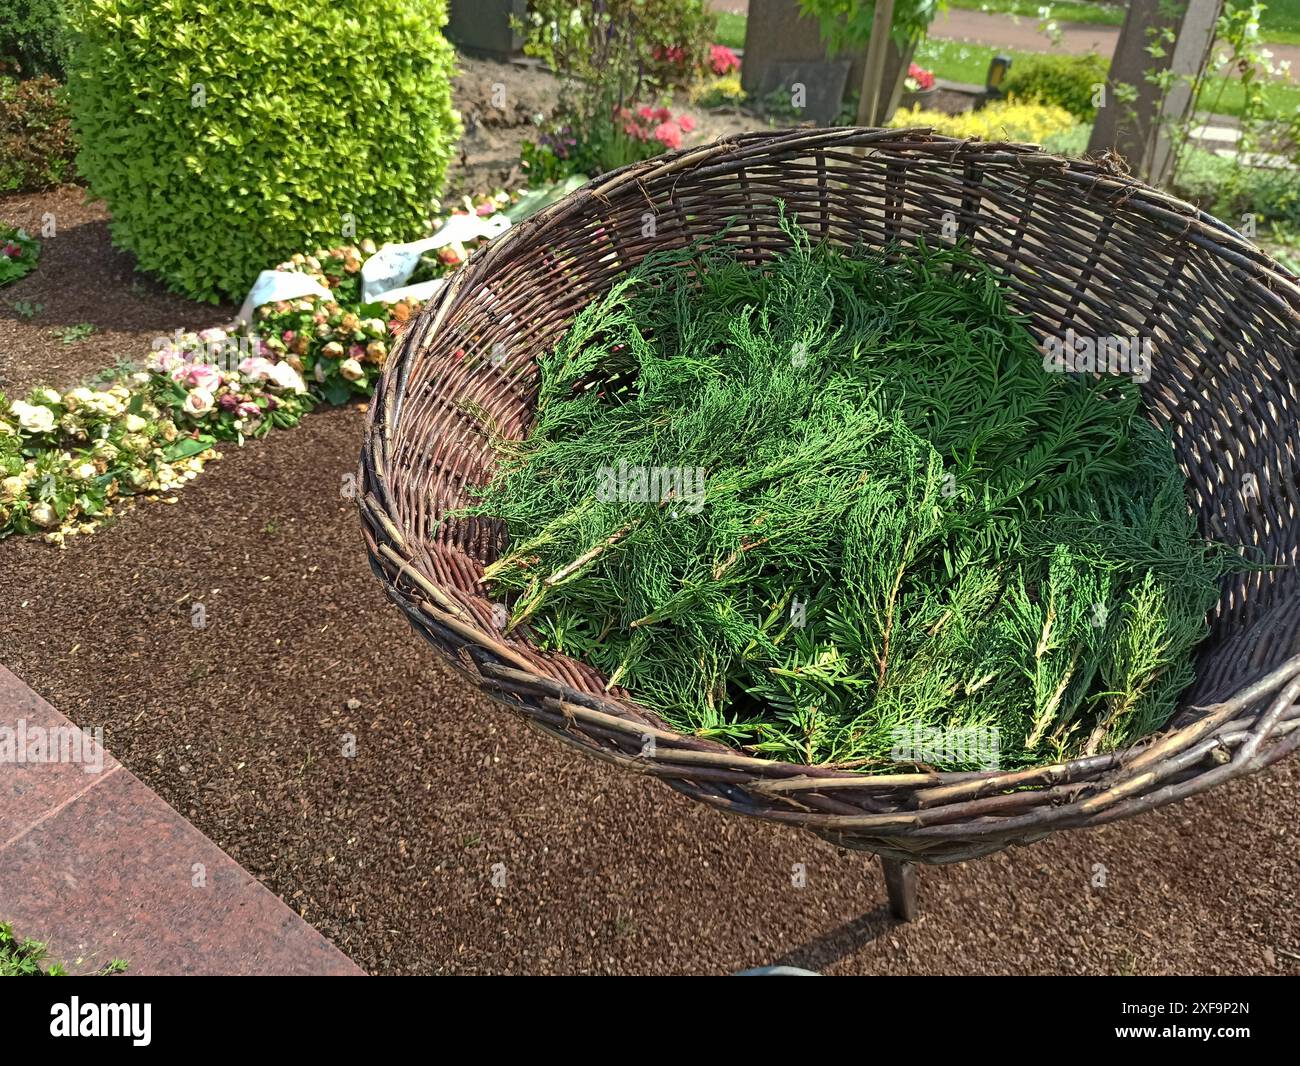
731, 30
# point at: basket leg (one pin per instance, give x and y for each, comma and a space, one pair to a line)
900, 883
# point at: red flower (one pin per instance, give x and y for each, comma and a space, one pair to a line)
723, 60
668, 134
924, 78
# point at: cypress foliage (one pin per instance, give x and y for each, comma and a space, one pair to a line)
904, 521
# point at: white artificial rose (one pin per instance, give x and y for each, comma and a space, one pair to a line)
33, 417
12, 487
351, 370
44, 515
198, 402
134, 423
74, 398
283, 376
85, 471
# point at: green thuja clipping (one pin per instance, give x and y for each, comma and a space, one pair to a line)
902, 521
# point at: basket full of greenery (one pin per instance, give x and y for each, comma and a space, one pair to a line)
931, 495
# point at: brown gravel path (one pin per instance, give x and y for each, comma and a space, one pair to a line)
241, 726
81, 279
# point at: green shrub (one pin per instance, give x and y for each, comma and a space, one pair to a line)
1067, 81
36, 139
623, 44
1229, 190
34, 32
226, 141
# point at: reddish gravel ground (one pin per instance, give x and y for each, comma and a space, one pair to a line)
242, 724
80, 279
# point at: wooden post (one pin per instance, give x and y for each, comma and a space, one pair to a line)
900, 885
870, 112
1139, 129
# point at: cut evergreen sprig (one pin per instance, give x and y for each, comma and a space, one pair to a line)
908, 523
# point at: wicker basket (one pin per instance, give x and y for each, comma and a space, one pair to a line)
1082, 246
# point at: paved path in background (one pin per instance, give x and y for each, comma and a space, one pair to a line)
1023, 34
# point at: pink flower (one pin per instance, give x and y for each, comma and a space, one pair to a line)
687, 123
198, 376
669, 135
722, 60
646, 112
11, 250
924, 78
255, 368
166, 359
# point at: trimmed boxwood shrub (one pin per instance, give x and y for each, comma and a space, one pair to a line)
1067, 81
227, 135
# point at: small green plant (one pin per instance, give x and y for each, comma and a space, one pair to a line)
23, 958
28, 958
27, 308
75, 334
336, 120
18, 254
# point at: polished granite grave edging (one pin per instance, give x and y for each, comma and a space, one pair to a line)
96, 864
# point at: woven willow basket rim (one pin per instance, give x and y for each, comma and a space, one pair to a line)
922, 816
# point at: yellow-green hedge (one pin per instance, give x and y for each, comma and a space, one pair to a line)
228, 134
1002, 120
